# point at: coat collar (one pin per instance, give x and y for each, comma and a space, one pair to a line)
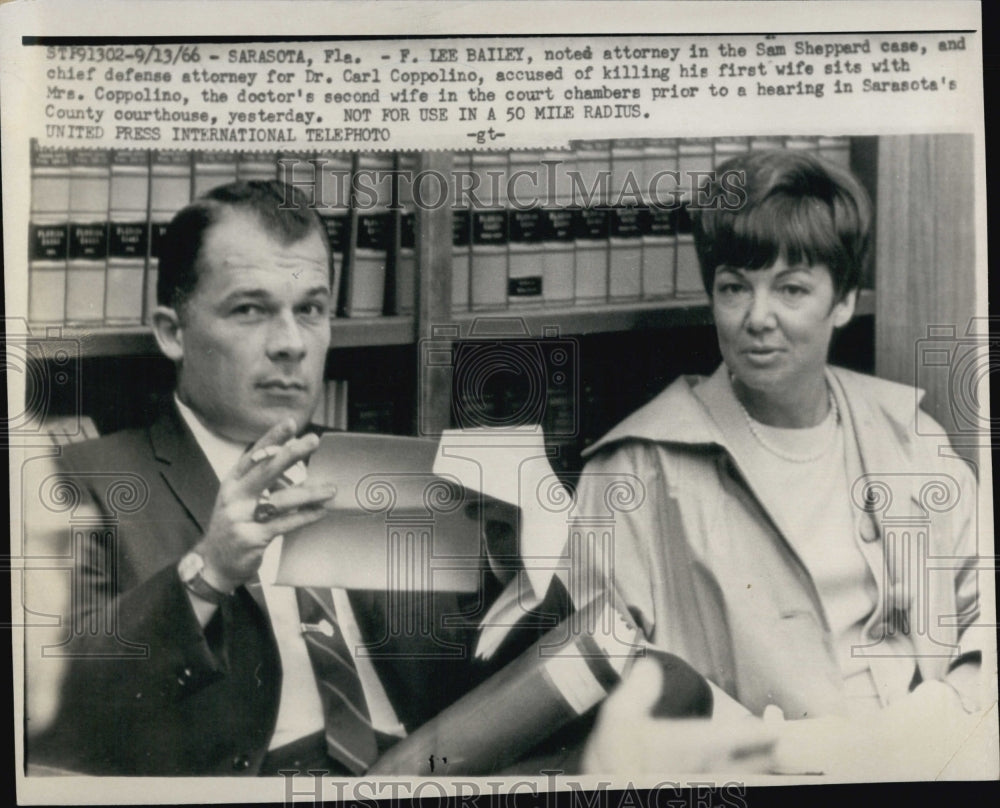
704, 413
698, 410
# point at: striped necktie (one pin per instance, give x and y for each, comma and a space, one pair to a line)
350, 737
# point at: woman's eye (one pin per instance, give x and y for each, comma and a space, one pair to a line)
794, 291
730, 288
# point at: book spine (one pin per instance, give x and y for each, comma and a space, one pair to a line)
591, 222
86, 269
48, 236
320, 415
128, 237
376, 414
525, 219
726, 148
694, 162
802, 143
489, 254
170, 189
330, 174
340, 404
766, 143
212, 169
405, 259
558, 254
629, 220
836, 150
256, 165
371, 222
661, 185
461, 231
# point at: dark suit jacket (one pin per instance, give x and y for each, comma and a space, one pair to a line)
153, 693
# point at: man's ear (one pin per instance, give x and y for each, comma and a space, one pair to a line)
169, 332
843, 310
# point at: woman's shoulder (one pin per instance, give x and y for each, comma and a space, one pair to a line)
674, 416
892, 400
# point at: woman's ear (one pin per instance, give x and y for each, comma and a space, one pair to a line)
843, 310
169, 332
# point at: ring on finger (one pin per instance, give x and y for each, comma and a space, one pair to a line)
264, 511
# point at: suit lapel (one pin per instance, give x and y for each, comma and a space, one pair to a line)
183, 466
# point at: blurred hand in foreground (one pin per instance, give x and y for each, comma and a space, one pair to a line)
627, 739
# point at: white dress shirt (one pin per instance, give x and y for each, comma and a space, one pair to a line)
300, 710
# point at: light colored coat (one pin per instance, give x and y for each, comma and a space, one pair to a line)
705, 566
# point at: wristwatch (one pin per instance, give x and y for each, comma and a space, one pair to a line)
189, 571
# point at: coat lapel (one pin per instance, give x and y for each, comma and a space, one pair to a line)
750, 458
184, 466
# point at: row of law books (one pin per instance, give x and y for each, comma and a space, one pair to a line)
98, 217
530, 228
601, 222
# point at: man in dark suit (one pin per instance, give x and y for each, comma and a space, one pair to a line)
187, 659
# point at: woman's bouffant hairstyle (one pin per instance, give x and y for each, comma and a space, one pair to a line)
796, 206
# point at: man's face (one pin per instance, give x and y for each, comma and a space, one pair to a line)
253, 335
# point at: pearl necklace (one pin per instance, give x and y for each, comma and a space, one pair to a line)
781, 453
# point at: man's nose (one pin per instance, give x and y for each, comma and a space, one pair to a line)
760, 315
285, 340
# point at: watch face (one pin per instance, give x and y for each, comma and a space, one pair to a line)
190, 566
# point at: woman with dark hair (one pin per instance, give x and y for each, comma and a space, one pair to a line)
760, 544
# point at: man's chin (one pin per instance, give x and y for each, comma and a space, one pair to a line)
254, 429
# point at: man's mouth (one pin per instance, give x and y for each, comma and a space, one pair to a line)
282, 386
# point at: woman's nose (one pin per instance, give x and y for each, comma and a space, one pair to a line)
760, 314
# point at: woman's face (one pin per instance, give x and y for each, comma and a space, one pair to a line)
775, 324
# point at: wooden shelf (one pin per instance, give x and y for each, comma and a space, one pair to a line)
138, 340
595, 319
378, 331
371, 331
609, 317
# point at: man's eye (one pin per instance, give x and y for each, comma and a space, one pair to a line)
314, 309
247, 310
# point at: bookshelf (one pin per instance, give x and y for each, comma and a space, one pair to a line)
400, 330
393, 341
138, 340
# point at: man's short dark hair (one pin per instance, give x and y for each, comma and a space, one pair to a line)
282, 210
798, 207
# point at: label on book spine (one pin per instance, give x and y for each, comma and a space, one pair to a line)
631, 222
127, 239
557, 224
88, 241
47, 242
460, 230
408, 231
590, 224
336, 232
525, 268
661, 221
489, 227
374, 230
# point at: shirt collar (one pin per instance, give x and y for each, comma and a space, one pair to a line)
222, 453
